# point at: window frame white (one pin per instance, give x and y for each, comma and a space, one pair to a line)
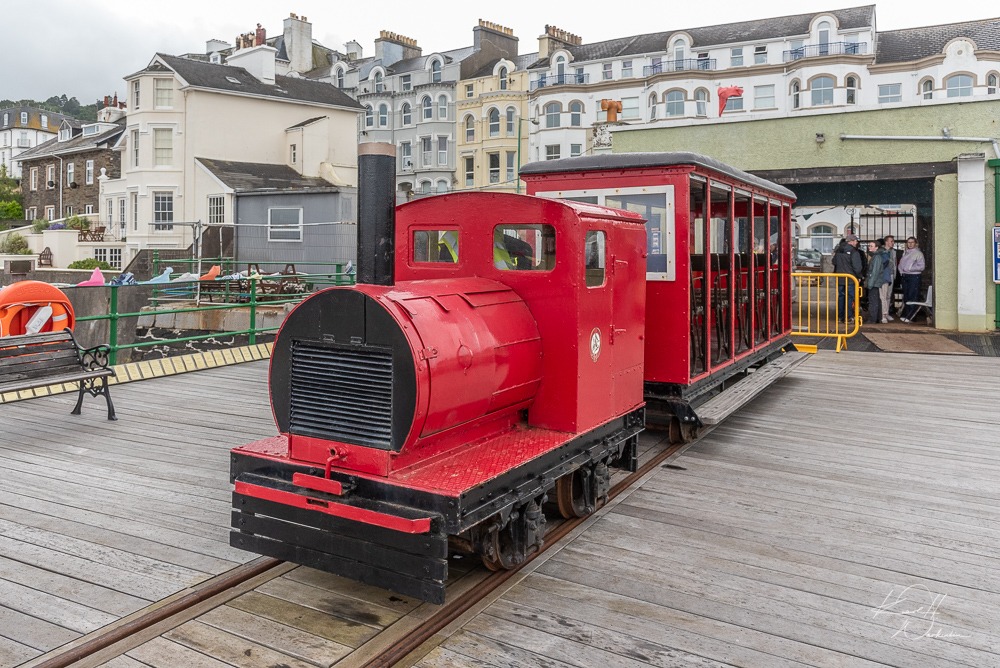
284, 228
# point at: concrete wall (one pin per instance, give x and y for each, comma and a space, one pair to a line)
791, 143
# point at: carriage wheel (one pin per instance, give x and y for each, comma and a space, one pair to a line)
573, 494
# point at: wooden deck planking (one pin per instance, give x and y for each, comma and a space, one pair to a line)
99, 519
809, 528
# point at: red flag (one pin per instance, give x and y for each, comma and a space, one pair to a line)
726, 93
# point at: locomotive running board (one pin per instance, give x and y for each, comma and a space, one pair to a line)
412, 564
720, 407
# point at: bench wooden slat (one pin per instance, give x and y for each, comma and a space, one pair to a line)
55, 380
34, 339
24, 372
41, 357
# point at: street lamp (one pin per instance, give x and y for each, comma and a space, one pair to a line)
530, 120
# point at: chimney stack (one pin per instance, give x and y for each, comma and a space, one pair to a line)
554, 38
298, 43
392, 47
257, 60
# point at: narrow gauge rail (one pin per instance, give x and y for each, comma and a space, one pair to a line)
221, 589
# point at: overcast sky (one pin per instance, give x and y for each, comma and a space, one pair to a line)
83, 48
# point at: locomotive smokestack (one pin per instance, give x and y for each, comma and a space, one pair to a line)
376, 213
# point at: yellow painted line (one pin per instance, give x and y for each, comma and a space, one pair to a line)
135, 371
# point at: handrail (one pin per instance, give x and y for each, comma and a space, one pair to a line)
824, 307
253, 296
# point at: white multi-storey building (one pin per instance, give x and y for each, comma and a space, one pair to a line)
22, 128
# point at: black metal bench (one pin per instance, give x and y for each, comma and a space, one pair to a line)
36, 360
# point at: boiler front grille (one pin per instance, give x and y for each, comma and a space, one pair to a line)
342, 394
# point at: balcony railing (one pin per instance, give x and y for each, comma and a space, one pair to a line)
685, 65
560, 80
831, 49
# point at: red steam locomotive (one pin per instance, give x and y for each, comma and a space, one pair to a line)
499, 349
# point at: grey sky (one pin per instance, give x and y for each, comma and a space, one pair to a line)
83, 48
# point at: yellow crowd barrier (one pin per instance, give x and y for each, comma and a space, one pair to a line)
823, 306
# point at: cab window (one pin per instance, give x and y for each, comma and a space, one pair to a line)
524, 247
593, 261
435, 246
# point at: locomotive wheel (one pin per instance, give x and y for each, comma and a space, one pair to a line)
506, 547
572, 494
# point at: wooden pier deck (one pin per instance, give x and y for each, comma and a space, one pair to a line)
848, 516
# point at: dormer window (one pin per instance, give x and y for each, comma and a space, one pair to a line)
502, 74
89, 130
379, 82
824, 38
65, 134
45, 121
24, 118
340, 78
436, 71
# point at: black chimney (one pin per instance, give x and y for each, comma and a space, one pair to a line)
376, 213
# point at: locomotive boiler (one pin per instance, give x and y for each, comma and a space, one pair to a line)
490, 358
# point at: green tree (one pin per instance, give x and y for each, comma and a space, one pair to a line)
11, 210
9, 191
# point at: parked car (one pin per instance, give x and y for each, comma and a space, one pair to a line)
808, 257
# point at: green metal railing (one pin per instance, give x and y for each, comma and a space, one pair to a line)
249, 298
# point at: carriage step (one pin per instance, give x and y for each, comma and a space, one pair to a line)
725, 404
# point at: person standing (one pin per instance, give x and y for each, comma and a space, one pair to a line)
911, 265
875, 278
888, 303
847, 260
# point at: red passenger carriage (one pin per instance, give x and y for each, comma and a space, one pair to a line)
718, 274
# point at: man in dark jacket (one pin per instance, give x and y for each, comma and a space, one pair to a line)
847, 260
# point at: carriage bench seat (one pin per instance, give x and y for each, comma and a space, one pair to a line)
49, 358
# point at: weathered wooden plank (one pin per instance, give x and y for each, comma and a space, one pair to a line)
499, 653
310, 620
76, 617
229, 648
13, 653
70, 589
32, 632
163, 653
122, 662
281, 638
324, 600
353, 589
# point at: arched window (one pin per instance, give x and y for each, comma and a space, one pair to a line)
796, 90
502, 74
851, 83
369, 116
675, 103
442, 186
927, 89
560, 70
443, 107
427, 108
470, 128
991, 84
652, 107
383, 115
340, 77
679, 54
511, 120
822, 237
552, 110
425, 187
407, 113
701, 102
824, 38
379, 82
576, 114
959, 85
494, 122
436, 71
822, 91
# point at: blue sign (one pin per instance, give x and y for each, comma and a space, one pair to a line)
996, 254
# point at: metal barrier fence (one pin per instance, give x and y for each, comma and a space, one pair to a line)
251, 293
826, 305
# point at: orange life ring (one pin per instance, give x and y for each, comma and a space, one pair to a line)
20, 301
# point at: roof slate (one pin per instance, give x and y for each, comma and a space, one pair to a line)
897, 46
726, 33
77, 144
216, 77
257, 176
